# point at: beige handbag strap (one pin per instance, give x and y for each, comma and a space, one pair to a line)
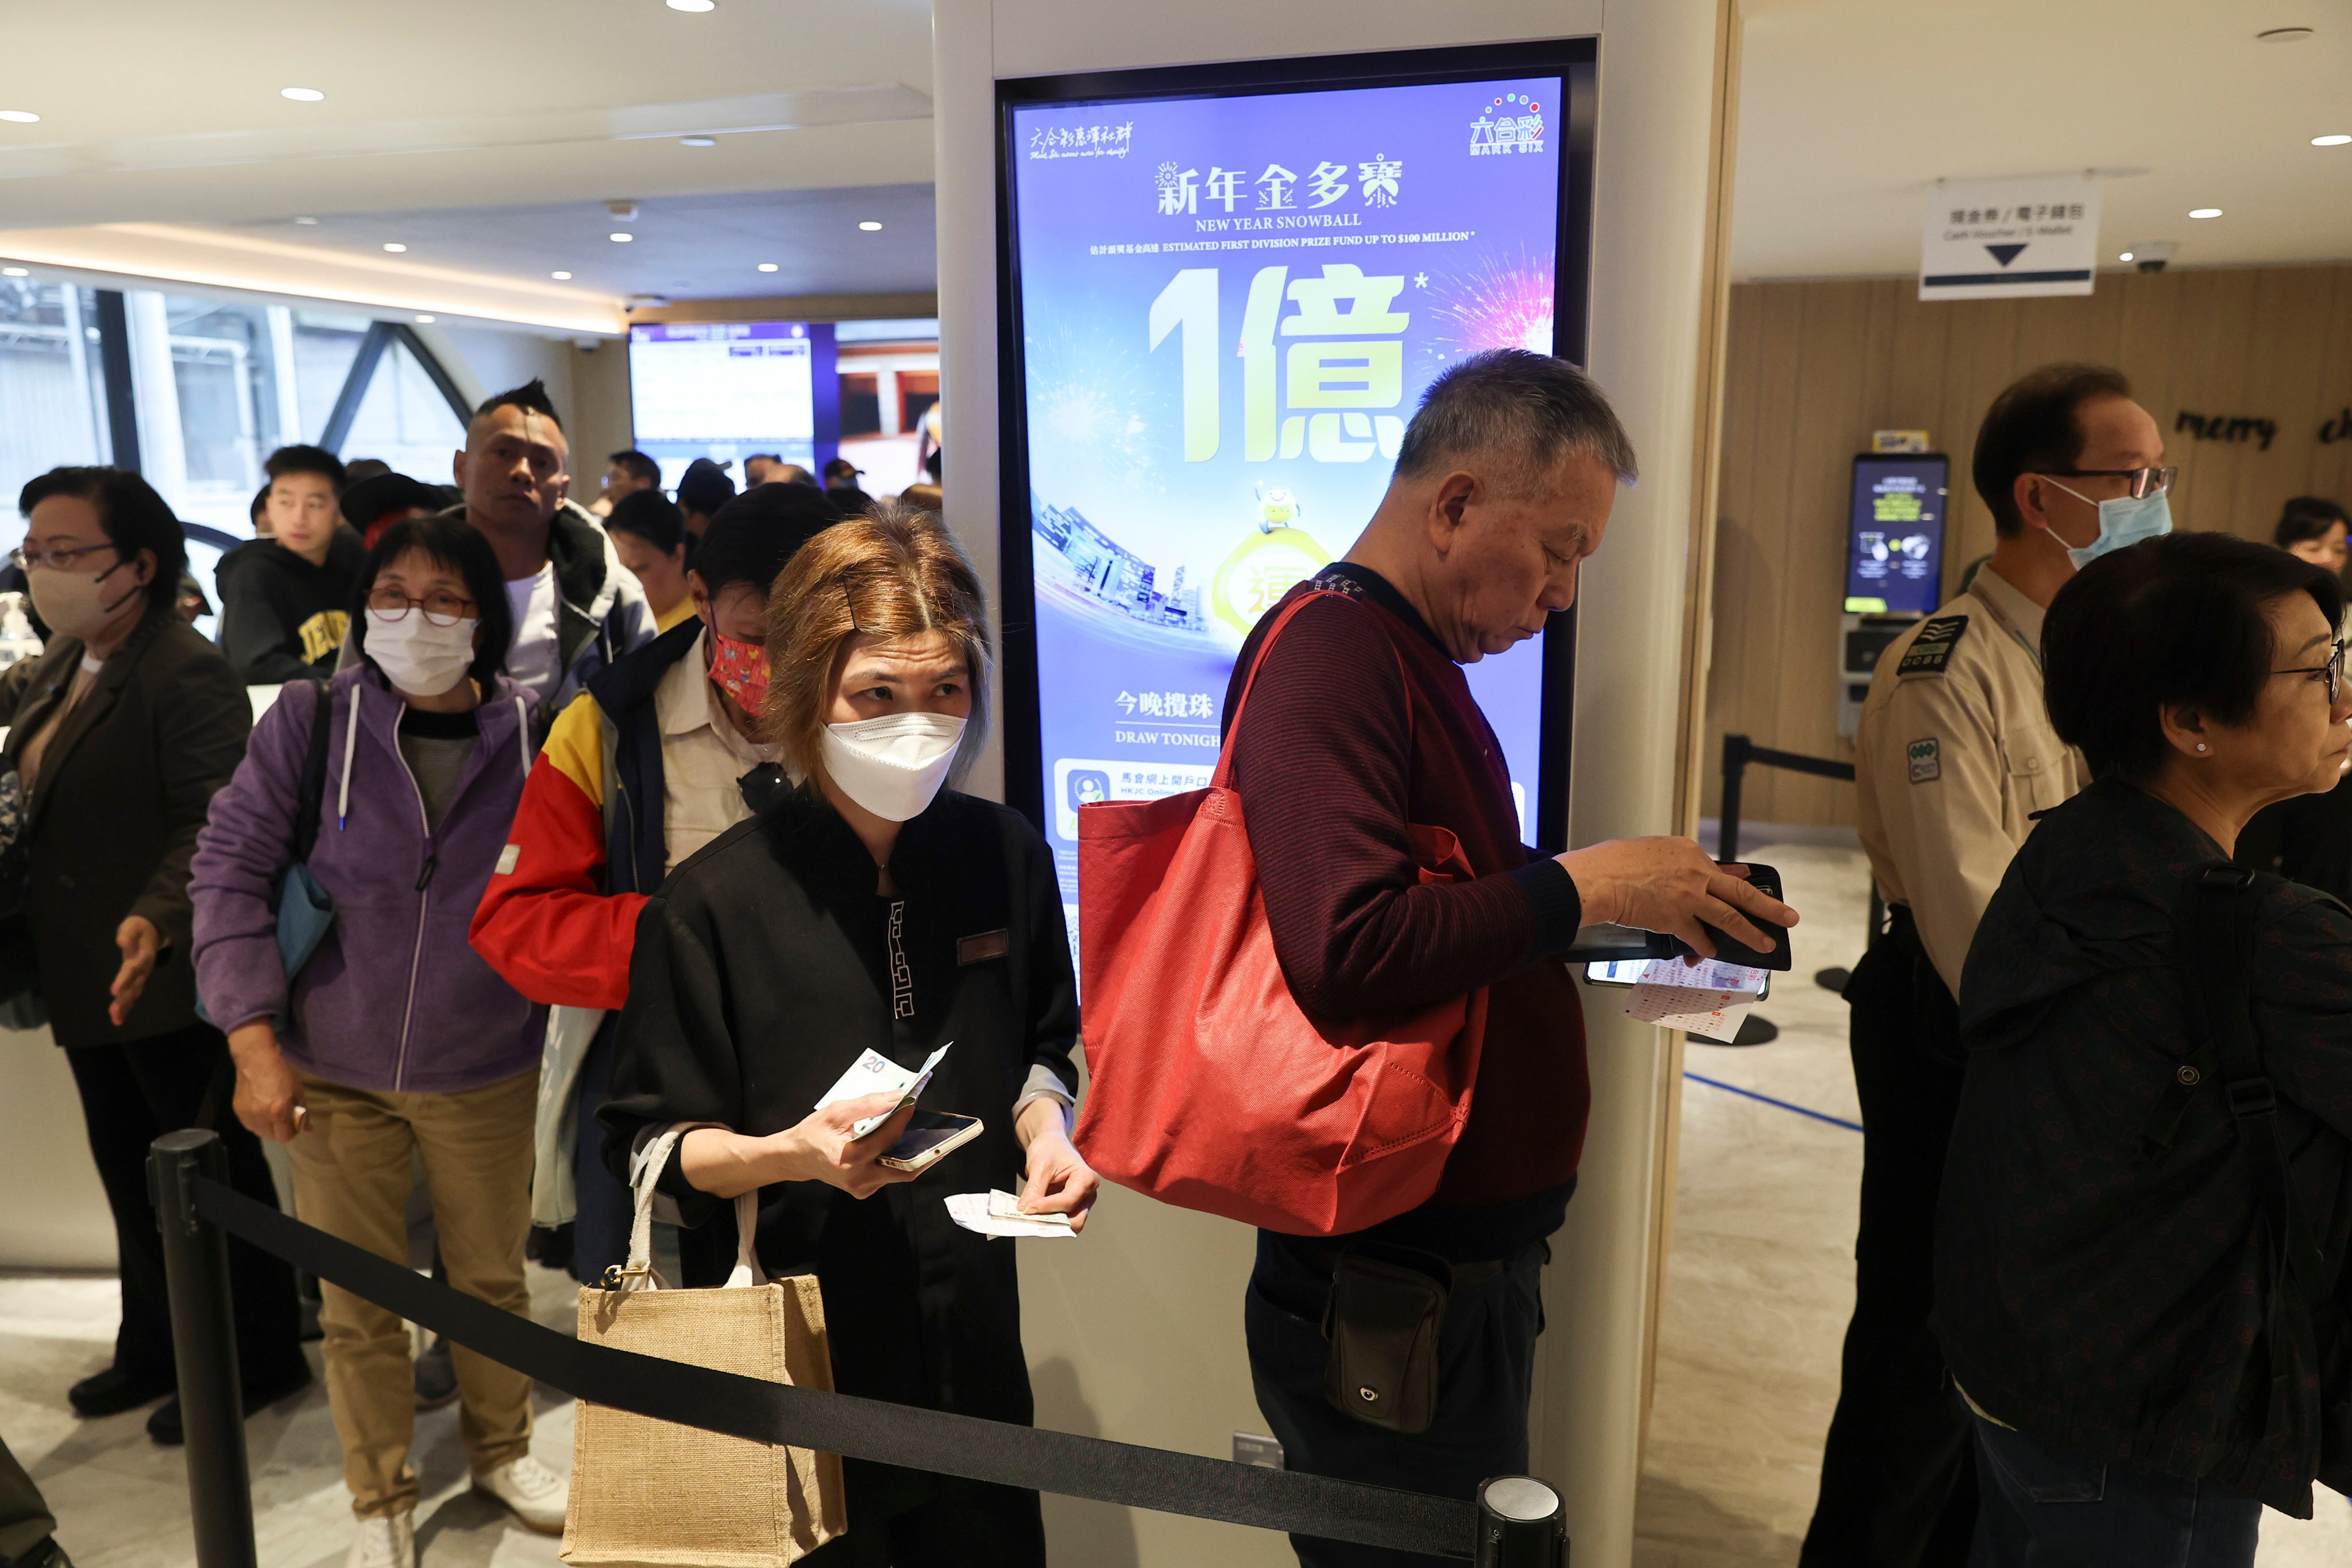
639, 1273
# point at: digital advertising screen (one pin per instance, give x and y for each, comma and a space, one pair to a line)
1228, 304
724, 390
1895, 537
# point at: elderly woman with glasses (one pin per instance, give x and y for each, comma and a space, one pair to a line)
118, 734
871, 917
2141, 1246
391, 1039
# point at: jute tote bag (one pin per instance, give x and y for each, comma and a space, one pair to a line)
648, 1491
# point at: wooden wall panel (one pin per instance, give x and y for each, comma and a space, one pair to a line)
1813, 367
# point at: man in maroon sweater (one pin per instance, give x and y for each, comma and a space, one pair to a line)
1362, 725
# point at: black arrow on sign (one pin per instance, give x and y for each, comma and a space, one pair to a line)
2004, 254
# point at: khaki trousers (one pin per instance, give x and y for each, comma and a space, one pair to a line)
351, 1173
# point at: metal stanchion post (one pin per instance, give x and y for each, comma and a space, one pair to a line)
1734, 763
203, 1341
1522, 1523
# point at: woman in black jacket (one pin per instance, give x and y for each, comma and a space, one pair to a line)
869, 912
2139, 1256
118, 735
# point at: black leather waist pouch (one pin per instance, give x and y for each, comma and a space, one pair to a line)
1383, 1322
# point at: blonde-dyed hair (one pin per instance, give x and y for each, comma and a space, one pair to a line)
893, 572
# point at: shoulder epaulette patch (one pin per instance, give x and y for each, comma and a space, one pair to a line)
1932, 650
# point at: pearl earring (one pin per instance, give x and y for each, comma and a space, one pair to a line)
2200, 745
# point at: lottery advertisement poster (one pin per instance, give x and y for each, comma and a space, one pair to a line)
1230, 307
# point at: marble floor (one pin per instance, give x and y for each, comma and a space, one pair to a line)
1760, 1280
122, 1503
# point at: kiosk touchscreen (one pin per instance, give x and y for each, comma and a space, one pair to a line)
1224, 291
1894, 562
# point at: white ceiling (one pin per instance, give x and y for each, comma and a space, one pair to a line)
686, 247
158, 109
489, 133
1851, 110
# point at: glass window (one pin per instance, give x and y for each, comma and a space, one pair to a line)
404, 420
52, 389
324, 347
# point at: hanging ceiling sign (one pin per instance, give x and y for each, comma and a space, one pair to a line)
1995, 239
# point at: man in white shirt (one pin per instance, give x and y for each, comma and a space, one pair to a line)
577, 608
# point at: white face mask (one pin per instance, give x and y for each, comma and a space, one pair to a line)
418, 657
892, 765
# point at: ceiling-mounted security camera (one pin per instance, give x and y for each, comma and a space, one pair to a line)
2149, 254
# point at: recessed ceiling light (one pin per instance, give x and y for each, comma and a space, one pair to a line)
2330, 141
870, 226
14, 272
20, 116
306, 222
394, 246
561, 276
693, 4
698, 141
301, 94
425, 320
2204, 212
2283, 34
2126, 255
767, 266
620, 237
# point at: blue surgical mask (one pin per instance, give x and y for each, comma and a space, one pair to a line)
2122, 523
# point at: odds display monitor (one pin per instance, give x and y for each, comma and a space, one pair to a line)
725, 390
1226, 292
1895, 534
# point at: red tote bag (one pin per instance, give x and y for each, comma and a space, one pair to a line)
1210, 1087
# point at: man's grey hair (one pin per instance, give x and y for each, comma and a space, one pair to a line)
1526, 410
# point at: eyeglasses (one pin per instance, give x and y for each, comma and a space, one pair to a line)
442, 608
2144, 482
53, 557
2331, 672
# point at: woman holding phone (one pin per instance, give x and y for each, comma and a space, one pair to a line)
870, 910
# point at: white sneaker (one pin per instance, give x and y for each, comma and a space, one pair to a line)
386, 1543
537, 1495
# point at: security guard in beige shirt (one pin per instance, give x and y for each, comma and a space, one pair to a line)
1955, 756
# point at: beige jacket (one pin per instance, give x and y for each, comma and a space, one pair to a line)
1954, 755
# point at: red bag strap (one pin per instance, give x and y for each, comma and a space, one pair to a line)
1264, 646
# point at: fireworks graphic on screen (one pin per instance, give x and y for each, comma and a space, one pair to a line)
1091, 407
1499, 301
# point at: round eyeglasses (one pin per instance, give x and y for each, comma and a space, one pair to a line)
441, 608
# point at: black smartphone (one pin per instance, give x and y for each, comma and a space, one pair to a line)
1765, 879
930, 1136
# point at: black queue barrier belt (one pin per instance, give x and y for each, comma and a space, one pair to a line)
765, 1412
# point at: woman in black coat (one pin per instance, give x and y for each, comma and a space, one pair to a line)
2141, 1251
118, 734
868, 910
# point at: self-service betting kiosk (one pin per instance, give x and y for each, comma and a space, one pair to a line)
1894, 563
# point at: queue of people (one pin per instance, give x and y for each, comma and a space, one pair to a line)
637, 831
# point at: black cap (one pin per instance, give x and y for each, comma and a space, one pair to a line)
704, 487
368, 500
842, 468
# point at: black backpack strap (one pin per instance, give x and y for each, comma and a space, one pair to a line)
2214, 939
310, 794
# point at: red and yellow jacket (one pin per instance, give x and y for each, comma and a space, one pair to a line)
559, 920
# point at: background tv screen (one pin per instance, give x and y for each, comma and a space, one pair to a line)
724, 390
1229, 308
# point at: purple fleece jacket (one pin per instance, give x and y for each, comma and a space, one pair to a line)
395, 998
